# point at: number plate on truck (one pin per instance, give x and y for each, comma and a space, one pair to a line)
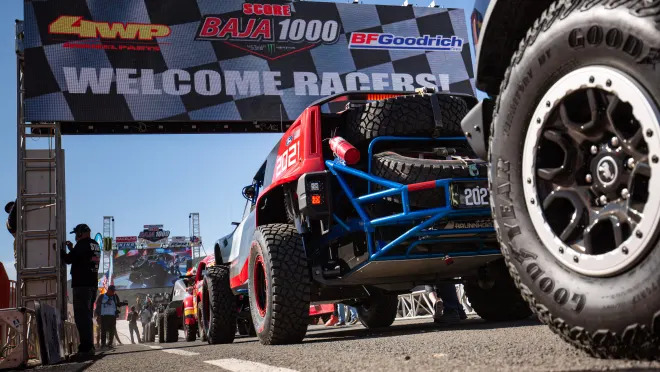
469, 194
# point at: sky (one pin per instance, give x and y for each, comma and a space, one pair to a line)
143, 179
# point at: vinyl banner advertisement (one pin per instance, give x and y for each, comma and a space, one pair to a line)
229, 60
150, 268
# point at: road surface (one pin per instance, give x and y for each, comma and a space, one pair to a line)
409, 345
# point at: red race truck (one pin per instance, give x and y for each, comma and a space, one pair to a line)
365, 197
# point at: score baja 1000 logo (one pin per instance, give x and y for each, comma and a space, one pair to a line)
268, 30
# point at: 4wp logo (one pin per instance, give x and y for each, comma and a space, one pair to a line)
76, 25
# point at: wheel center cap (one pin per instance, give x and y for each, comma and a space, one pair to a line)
607, 170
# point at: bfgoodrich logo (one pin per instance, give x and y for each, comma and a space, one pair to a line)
373, 40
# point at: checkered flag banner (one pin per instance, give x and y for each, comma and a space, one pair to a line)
230, 60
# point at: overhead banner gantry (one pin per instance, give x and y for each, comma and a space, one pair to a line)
230, 65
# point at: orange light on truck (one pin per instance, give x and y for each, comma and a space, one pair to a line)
316, 199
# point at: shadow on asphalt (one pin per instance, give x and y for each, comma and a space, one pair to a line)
329, 334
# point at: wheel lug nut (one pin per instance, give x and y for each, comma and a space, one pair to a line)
594, 149
625, 193
614, 142
588, 178
630, 163
603, 199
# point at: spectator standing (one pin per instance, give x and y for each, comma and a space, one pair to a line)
448, 310
84, 259
341, 309
107, 308
145, 318
132, 324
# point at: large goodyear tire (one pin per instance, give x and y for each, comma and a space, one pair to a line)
190, 331
200, 322
220, 316
606, 49
404, 116
171, 325
498, 299
378, 311
279, 285
405, 170
161, 328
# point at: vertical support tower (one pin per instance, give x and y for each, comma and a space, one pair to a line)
195, 235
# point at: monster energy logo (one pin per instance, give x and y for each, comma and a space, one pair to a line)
271, 48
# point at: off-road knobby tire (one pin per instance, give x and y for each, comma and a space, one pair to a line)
405, 170
407, 116
286, 309
200, 322
499, 302
161, 328
190, 331
171, 325
616, 316
378, 311
221, 325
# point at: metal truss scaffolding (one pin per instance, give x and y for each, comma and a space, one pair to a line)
193, 227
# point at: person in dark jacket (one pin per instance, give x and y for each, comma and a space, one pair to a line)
84, 259
132, 324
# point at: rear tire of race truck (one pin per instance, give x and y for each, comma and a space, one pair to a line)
171, 325
219, 306
407, 116
496, 299
574, 156
406, 170
200, 322
378, 311
279, 285
190, 331
161, 328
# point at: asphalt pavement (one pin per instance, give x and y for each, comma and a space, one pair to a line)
408, 345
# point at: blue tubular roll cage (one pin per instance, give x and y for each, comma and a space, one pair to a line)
378, 251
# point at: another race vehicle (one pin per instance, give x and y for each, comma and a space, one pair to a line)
573, 140
173, 315
358, 205
200, 305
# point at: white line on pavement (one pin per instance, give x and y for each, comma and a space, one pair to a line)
180, 352
236, 365
173, 351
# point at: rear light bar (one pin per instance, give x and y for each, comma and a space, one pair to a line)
378, 97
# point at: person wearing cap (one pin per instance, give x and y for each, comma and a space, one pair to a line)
84, 259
